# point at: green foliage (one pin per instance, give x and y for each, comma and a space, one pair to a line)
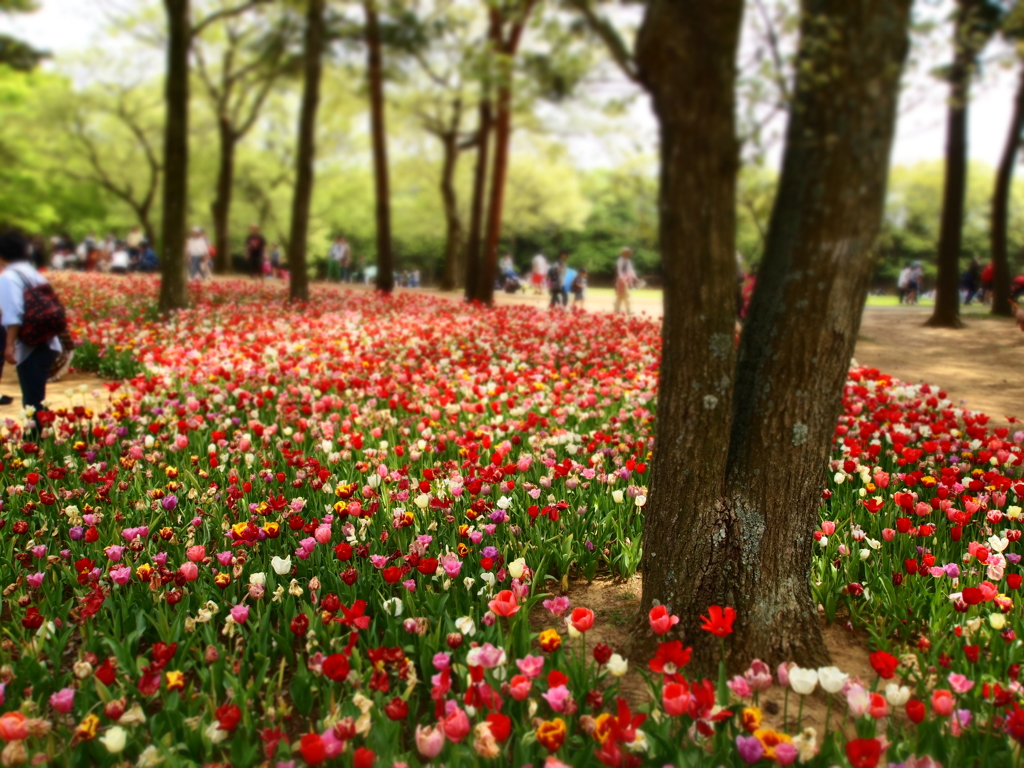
109, 363
910, 229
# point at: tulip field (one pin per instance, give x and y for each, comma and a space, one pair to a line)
343, 536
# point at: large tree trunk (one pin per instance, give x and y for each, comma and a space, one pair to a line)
476, 214
375, 73
306, 155
173, 279
738, 530
453, 225
1001, 208
221, 207
687, 60
947, 289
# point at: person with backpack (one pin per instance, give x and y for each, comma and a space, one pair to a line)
33, 319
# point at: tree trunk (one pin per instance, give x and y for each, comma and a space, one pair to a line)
499, 174
173, 280
476, 215
375, 72
221, 207
306, 155
947, 289
453, 236
687, 60
1001, 207
738, 531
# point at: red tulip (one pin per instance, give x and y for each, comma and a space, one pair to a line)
504, 604
660, 619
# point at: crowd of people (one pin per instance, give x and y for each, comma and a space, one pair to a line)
560, 280
133, 253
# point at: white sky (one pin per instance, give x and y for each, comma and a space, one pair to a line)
70, 27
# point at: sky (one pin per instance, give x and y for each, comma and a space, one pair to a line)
68, 28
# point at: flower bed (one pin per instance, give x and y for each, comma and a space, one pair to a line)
317, 537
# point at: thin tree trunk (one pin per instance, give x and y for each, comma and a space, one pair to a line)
1001, 207
453, 225
221, 207
375, 73
476, 215
947, 289
499, 175
730, 521
305, 158
173, 280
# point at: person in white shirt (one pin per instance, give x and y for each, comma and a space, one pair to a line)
625, 279
33, 363
120, 260
198, 249
903, 283
539, 274
338, 260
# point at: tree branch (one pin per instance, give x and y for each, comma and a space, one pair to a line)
225, 13
611, 38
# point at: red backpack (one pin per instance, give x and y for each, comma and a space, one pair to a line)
44, 315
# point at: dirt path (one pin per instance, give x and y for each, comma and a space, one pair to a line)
981, 365
74, 389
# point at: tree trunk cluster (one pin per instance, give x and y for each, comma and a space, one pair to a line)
744, 434
1001, 276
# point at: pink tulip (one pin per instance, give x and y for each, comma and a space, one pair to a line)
558, 697
240, 613
942, 702
190, 571
196, 554
960, 683
429, 741
63, 700
455, 724
121, 575
531, 666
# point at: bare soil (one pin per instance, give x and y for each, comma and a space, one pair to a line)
77, 388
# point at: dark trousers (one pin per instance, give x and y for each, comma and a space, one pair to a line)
559, 296
33, 372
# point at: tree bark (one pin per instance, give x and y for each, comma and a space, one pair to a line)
375, 73
173, 280
687, 60
502, 146
220, 209
453, 225
947, 289
738, 529
305, 157
476, 215
1001, 207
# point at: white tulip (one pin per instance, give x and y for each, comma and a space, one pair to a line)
114, 739
466, 626
258, 579
617, 665
617, 497
803, 681
897, 695
393, 607
280, 565
832, 679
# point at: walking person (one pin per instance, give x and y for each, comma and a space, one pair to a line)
338, 260
556, 281
33, 361
255, 251
625, 279
197, 247
540, 270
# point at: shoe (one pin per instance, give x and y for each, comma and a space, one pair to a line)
6, 399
